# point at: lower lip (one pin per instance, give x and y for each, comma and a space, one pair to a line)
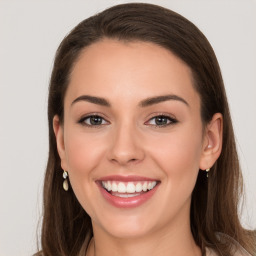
129, 202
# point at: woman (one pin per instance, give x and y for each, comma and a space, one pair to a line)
142, 154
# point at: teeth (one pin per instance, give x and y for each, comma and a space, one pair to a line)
138, 187
151, 185
128, 187
121, 187
109, 186
114, 187
125, 195
145, 187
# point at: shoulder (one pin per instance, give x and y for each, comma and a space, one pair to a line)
238, 252
210, 252
236, 248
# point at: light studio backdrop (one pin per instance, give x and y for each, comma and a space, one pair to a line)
30, 32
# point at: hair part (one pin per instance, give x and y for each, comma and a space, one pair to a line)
214, 205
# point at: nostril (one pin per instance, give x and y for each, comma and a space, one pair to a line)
133, 160
125, 161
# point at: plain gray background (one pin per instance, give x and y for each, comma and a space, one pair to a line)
30, 32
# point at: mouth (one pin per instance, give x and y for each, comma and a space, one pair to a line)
125, 192
128, 189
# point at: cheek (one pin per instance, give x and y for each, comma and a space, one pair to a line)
179, 149
84, 153
83, 157
83, 150
178, 156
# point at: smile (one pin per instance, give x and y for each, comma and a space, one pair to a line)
125, 192
128, 189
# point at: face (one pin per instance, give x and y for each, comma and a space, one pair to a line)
132, 139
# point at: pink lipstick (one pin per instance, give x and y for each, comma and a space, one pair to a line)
127, 191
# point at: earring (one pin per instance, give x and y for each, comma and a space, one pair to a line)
207, 171
65, 182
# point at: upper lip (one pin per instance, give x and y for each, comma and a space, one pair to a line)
126, 178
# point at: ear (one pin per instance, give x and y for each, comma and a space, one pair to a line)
59, 134
212, 144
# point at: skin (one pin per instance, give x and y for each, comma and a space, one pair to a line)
129, 142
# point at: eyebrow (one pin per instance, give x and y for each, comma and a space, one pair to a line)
158, 99
92, 99
144, 103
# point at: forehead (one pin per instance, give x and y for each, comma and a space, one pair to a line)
117, 69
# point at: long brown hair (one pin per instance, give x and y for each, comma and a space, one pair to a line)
214, 207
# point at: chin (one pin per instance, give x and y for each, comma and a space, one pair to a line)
125, 226
128, 231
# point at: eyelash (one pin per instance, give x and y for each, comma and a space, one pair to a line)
83, 119
170, 120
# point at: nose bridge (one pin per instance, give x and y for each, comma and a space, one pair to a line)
126, 146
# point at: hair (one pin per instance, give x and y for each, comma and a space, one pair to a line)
66, 227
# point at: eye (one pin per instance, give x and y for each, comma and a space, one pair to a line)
93, 120
161, 121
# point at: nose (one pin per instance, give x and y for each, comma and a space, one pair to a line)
126, 147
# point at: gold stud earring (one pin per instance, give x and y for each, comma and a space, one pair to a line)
207, 171
65, 182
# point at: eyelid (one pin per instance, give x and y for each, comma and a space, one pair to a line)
94, 114
156, 114
173, 120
